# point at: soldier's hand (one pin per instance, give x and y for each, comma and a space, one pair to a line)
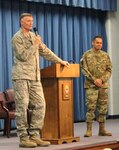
65, 63
37, 41
98, 82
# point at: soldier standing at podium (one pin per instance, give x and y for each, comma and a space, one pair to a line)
26, 81
97, 68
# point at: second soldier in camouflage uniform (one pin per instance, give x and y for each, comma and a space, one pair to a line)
97, 68
26, 81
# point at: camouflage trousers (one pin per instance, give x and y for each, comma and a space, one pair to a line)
29, 94
96, 99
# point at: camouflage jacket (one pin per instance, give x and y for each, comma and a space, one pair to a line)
26, 57
96, 65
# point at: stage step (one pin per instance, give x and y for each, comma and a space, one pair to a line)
113, 145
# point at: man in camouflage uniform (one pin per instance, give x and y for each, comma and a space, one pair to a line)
26, 81
97, 68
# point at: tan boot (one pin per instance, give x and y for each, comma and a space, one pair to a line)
38, 141
102, 130
89, 130
25, 142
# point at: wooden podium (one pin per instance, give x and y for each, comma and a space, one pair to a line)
57, 82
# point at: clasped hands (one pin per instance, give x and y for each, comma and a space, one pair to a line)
98, 83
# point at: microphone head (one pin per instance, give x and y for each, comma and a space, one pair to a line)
35, 31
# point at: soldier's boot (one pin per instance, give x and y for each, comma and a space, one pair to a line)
38, 141
89, 130
25, 142
102, 130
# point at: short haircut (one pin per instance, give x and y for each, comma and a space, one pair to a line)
97, 36
24, 15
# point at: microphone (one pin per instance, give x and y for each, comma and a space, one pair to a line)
35, 31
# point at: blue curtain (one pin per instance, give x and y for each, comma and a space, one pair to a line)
66, 30
105, 5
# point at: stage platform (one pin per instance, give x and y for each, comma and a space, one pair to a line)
93, 143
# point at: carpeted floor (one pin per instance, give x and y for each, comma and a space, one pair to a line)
112, 125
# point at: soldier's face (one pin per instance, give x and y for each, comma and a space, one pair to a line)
27, 23
97, 44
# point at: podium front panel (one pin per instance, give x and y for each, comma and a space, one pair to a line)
66, 108
58, 122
